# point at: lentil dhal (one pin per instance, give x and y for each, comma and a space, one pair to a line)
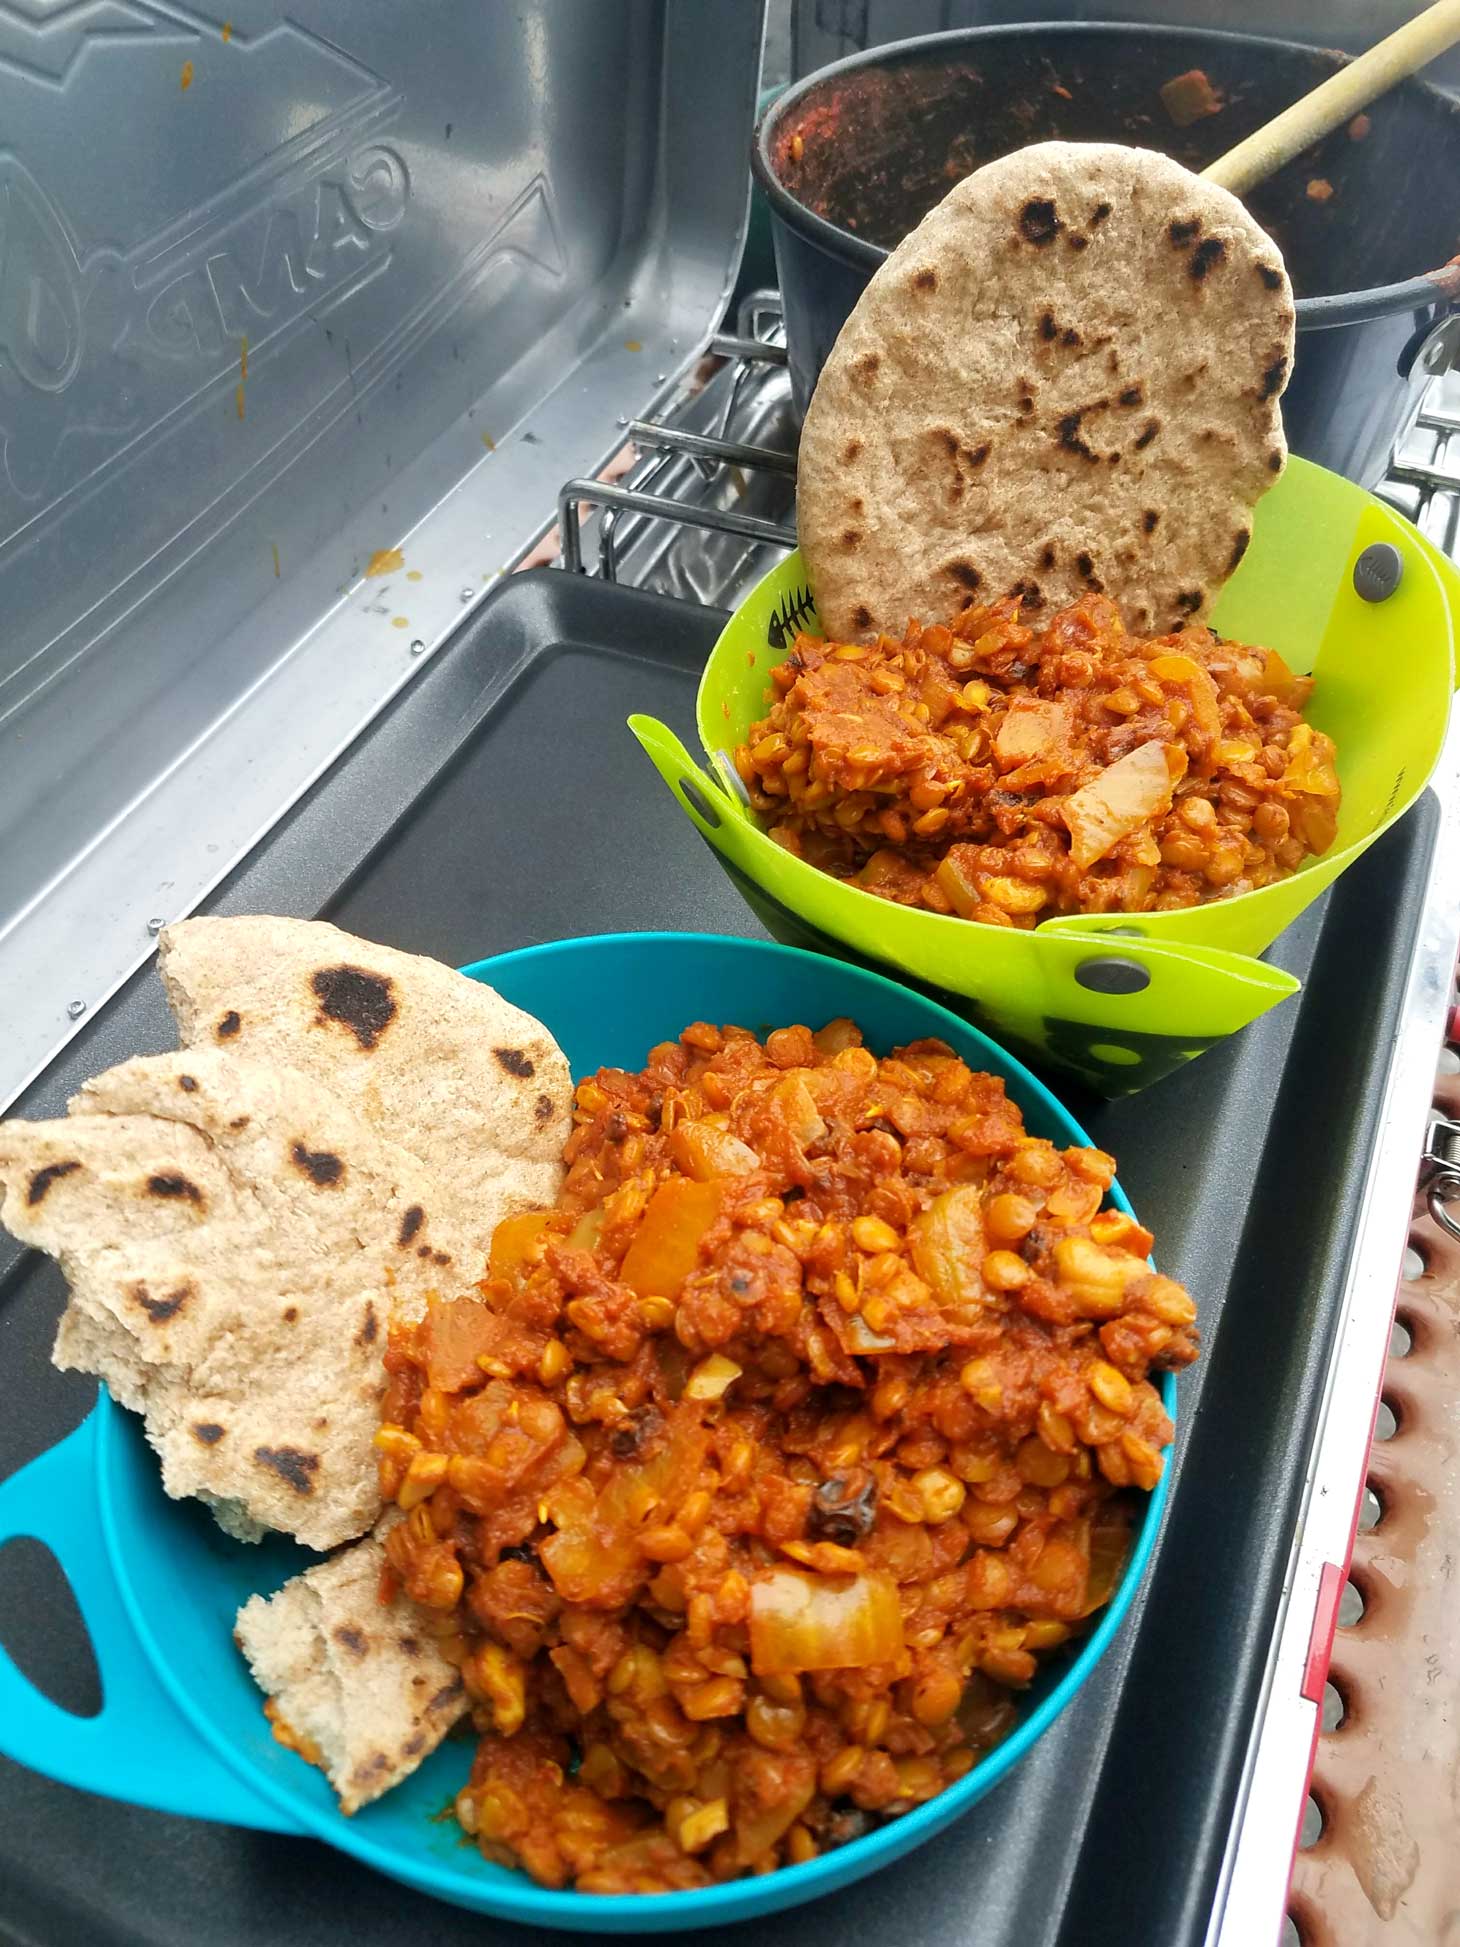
1010, 770
769, 1462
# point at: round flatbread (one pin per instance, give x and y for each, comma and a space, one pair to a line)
1064, 381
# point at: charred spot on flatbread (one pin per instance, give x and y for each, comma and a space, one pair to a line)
291, 1464
1069, 435
409, 1645
208, 1431
1147, 433
925, 280
1271, 276
321, 1166
1149, 520
351, 1638
169, 1185
159, 1310
187, 1083
1039, 221
516, 1062
1272, 378
545, 1108
360, 1001
370, 1329
1182, 231
42, 1179
1240, 541
1210, 252
228, 1024
410, 1223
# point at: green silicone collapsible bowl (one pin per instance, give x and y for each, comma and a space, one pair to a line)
181, 1726
1182, 980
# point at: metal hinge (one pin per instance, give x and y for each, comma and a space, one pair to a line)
1439, 1171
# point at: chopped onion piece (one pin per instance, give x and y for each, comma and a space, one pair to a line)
800, 1622
712, 1378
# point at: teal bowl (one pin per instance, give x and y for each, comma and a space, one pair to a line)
181, 1728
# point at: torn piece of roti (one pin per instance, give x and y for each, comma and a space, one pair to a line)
237, 1242
440, 1064
355, 1685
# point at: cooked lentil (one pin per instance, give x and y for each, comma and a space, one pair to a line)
815, 1481
1011, 771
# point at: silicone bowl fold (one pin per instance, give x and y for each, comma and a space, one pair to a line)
181, 1727
1385, 674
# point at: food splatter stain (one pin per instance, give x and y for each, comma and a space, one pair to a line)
413, 574
400, 622
491, 444
633, 345
384, 561
274, 550
238, 399
226, 32
187, 76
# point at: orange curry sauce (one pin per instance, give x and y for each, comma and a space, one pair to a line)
766, 1465
1009, 771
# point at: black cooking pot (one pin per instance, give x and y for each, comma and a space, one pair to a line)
851, 158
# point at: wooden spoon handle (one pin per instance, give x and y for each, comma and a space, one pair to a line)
1342, 95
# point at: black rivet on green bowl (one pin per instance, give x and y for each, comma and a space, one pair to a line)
1378, 571
1110, 974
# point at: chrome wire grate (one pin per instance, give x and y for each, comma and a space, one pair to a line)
1424, 480
702, 501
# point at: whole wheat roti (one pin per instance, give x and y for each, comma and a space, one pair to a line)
442, 1065
358, 1680
236, 1241
1065, 380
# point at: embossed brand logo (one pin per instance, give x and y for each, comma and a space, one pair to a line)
329, 234
96, 335
75, 326
136, 269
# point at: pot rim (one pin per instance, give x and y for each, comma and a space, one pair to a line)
1439, 286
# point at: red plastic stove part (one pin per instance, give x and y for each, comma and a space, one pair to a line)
1320, 1641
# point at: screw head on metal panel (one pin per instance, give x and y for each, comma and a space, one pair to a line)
154, 927
76, 1009
1112, 975
418, 648
1378, 571
467, 594
1443, 348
